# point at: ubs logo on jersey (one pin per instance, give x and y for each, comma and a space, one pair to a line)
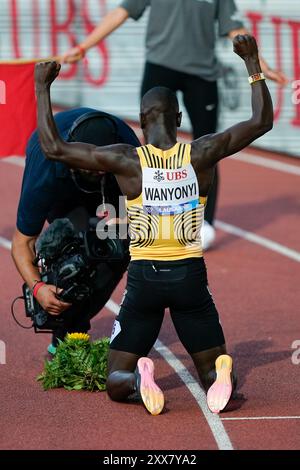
158, 176
177, 175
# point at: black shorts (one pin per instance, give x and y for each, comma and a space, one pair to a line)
154, 286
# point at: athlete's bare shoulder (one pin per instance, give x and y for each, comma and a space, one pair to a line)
203, 150
120, 159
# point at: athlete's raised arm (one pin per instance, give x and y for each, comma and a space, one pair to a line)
208, 150
118, 159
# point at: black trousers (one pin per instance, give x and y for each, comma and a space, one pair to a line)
201, 101
153, 286
109, 274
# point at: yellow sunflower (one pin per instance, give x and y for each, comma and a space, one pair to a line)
78, 336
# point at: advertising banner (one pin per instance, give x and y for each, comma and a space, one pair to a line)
109, 77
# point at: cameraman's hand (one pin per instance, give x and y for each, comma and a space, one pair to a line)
46, 297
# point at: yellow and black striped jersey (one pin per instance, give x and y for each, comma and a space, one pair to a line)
166, 218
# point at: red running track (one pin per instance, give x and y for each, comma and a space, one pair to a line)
257, 293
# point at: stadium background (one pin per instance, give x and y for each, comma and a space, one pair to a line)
111, 74
253, 268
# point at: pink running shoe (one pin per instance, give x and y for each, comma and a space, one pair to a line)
220, 392
152, 396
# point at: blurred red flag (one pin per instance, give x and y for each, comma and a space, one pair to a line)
17, 107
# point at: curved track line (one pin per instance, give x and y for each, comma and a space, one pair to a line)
243, 156
18, 161
233, 230
257, 418
214, 422
5, 243
267, 163
262, 241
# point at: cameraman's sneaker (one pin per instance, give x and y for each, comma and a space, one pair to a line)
151, 394
58, 335
51, 349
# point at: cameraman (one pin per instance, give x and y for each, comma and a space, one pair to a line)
52, 191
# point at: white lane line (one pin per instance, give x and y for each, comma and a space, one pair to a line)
214, 422
5, 243
221, 437
267, 163
241, 157
232, 229
257, 418
246, 157
262, 241
18, 161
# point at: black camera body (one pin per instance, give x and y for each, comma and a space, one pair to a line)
69, 261
40, 318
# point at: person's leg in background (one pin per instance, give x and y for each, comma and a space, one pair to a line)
201, 101
156, 75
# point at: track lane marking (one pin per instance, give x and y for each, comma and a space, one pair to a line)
14, 160
244, 157
257, 418
5, 243
269, 163
219, 433
258, 240
233, 230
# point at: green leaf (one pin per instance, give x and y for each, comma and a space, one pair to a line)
78, 387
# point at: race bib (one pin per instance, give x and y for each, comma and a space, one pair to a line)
169, 192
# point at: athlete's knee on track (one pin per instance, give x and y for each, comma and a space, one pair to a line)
112, 386
119, 385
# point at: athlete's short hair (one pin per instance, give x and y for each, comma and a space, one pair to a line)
159, 100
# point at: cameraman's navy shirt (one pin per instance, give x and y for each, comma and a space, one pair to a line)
48, 191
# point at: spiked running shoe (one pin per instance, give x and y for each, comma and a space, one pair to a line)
220, 392
151, 394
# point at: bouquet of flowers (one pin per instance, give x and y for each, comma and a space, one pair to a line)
78, 364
